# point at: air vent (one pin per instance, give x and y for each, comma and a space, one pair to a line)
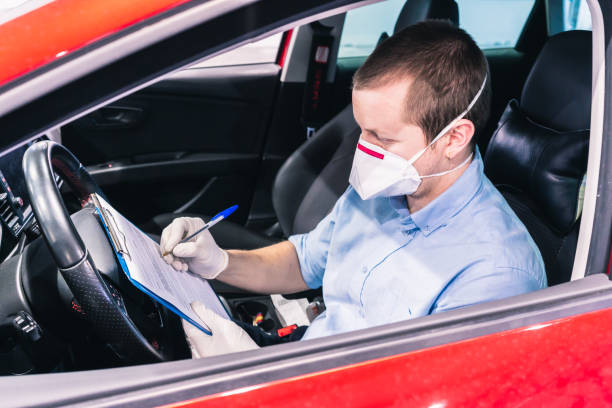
8, 216
10, 208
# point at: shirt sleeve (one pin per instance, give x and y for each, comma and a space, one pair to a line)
312, 248
484, 283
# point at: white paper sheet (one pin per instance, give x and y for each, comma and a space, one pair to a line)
291, 311
147, 268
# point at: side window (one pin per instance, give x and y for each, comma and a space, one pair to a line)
576, 15
494, 24
566, 15
363, 27
258, 52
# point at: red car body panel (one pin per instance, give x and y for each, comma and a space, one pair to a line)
60, 27
561, 363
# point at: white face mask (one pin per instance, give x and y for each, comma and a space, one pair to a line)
379, 173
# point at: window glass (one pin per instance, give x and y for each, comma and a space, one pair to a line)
566, 15
363, 27
259, 52
494, 23
576, 15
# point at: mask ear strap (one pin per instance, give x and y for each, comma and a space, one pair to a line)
451, 170
452, 123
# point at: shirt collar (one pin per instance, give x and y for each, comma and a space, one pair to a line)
446, 205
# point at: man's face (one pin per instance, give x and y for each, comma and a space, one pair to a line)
380, 115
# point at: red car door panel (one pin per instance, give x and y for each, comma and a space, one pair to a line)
559, 363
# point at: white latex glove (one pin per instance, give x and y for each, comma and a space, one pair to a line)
200, 255
227, 336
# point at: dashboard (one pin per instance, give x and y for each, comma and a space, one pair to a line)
15, 210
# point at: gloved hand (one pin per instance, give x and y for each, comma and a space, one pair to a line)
227, 336
200, 255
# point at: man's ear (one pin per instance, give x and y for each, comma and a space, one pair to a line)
459, 138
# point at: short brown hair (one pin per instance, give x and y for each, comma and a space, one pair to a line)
447, 69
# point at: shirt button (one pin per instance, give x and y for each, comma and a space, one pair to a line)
364, 269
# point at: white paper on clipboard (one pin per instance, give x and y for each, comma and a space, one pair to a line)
141, 260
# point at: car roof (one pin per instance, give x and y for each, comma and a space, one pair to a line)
55, 29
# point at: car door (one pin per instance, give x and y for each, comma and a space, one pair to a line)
177, 145
495, 353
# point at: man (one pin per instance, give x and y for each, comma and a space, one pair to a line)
420, 230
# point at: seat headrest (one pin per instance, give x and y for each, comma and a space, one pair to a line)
557, 93
419, 10
542, 164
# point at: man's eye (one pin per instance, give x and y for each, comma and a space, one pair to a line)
380, 139
377, 137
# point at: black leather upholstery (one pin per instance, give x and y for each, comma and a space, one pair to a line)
557, 92
418, 10
537, 156
316, 174
543, 163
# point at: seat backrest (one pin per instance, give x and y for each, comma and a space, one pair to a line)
537, 156
419, 10
316, 174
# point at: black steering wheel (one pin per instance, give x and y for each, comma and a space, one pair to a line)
103, 309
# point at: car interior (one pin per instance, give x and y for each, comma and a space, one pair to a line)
207, 137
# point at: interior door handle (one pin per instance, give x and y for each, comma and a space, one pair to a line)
117, 117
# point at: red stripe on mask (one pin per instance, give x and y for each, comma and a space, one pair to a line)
370, 151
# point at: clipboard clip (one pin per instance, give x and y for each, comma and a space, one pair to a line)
117, 237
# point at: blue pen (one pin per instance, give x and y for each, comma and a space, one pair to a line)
214, 220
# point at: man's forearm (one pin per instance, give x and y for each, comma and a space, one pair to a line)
273, 269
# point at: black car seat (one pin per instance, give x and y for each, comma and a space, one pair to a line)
316, 174
537, 156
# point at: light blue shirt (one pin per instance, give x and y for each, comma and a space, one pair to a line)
379, 264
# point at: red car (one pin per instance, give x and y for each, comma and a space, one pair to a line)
177, 107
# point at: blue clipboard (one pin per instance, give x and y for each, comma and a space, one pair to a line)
120, 249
